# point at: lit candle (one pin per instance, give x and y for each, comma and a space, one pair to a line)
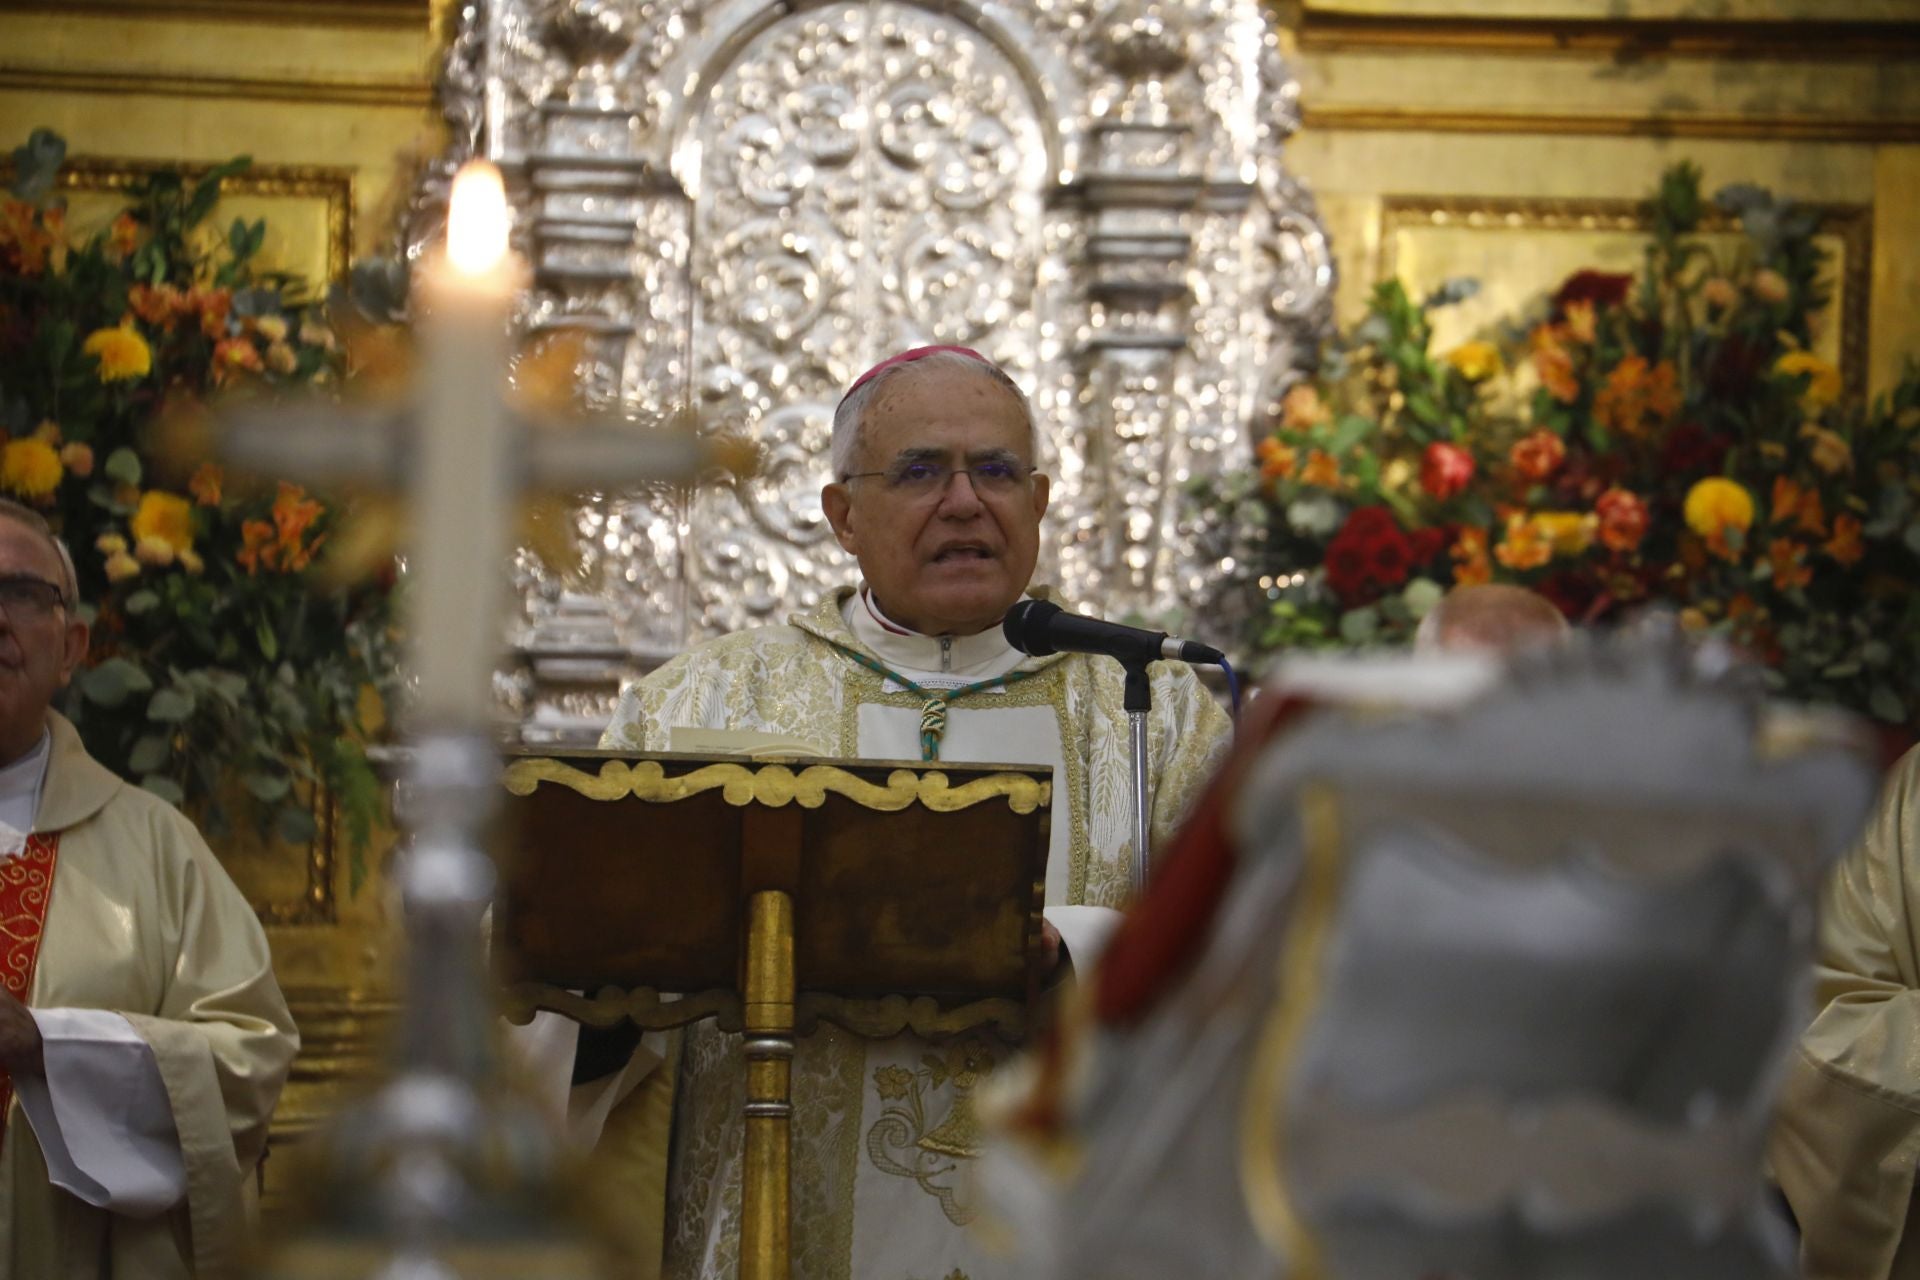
464, 499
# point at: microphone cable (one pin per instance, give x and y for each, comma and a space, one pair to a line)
1233, 688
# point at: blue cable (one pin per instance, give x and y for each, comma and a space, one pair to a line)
1233, 687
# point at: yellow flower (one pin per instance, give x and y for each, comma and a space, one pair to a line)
272, 328
153, 550
1569, 532
30, 468
1823, 380
122, 353
1830, 452
1717, 504
167, 517
110, 544
121, 566
1476, 361
1769, 285
280, 358
77, 458
190, 561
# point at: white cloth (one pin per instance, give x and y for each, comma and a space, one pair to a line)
20, 784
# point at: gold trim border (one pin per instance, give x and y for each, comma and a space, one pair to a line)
1624, 124
1851, 223
327, 13
1623, 40
776, 785
334, 186
409, 93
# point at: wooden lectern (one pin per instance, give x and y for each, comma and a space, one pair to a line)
770, 894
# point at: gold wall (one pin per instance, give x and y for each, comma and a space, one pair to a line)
1541, 113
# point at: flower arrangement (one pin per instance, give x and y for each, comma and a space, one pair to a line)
1666, 437
216, 652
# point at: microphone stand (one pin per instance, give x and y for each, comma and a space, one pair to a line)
1138, 701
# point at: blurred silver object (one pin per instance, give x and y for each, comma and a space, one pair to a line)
1500, 987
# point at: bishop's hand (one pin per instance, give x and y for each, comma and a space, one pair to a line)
20, 1049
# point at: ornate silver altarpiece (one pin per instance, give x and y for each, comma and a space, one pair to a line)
744, 203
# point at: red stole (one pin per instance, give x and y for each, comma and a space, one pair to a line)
26, 886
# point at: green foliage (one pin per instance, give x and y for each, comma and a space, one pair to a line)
218, 655
1670, 438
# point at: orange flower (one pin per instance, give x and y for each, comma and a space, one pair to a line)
256, 551
234, 355
159, 307
293, 514
212, 306
1828, 449
1538, 454
204, 484
1845, 546
1277, 460
1801, 506
122, 235
1623, 519
1302, 407
24, 242
1469, 551
1554, 364
1637, 400
1788, 559
1525, 545
1321, 470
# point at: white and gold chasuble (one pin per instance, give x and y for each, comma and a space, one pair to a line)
884, 1134
167, 1041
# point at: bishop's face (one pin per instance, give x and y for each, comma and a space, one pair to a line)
951, 558
40, 641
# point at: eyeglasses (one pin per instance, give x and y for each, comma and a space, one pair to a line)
25, 596
923, 477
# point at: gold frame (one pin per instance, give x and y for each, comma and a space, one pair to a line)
318, 904
1851, 223
776, 785
327, 13
332, 186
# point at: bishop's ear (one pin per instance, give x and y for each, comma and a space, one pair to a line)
837, 501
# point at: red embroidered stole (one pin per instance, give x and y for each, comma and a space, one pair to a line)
26, 886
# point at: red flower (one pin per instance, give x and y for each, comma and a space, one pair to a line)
1367, 556
1445, 470
1623, 519
1426, 544
1601, 288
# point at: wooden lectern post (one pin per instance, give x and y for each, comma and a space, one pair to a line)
769, 895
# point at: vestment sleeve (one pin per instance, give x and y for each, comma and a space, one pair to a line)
1192, 739
221, 1038
101, 1116
1847, 1138
649, 707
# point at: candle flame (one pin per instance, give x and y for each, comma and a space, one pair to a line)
477, 220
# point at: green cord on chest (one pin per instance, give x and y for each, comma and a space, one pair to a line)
934, 702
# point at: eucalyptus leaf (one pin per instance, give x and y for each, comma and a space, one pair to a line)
269, 788
36, 163
170, 706
151, 752
123, 464
295, 825
140, 602
1887, 704
164, 787
113, 682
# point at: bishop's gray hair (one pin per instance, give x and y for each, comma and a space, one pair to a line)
851, 415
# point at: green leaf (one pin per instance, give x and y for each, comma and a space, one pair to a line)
140, 602
164, 787
150, 753
123, 464
294, 824
170, 706
1887, 704
229, 685
113, 681
269, 788
1360, 626
269, 643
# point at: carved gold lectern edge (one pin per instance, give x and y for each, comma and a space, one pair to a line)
769, 1014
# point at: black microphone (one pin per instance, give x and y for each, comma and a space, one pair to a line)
1038, 628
